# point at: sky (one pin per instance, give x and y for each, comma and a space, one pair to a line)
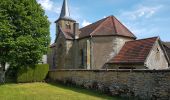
145, 18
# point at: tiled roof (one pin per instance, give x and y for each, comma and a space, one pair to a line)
106, 26
69, 35
134, 51
52, 45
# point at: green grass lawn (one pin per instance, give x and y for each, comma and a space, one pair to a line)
44, 91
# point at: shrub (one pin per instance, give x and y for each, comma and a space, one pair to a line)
32, 74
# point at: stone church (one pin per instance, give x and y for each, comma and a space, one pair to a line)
106, 43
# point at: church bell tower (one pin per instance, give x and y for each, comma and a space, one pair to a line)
65, 22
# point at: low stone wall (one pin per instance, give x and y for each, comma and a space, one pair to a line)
144, 84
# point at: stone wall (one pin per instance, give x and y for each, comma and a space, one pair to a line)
144, 84
156, 59
104, 48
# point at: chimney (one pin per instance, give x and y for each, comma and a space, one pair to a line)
76, 30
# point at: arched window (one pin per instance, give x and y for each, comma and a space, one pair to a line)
82, 57
157, 54
68, 26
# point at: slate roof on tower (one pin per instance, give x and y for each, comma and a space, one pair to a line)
109, 26
134, 51
65, 12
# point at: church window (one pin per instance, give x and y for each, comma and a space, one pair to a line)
157, 50
68, 26
54, 61
157, 54
82, 57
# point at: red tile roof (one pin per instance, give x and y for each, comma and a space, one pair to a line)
106, 26
134, 51
68, 34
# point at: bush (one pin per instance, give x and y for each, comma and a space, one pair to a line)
32, 74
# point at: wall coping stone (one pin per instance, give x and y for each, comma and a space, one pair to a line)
114, 70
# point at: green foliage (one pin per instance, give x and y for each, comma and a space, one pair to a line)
6, 33
32, 74
24, 32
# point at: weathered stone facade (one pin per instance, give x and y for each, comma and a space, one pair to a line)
157, 58
68, 53
104, 48
144, 84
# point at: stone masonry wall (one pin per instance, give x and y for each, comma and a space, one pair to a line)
156, 58
105, 48
144, 84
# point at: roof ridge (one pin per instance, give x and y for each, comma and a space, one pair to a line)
93, 23
113, 22
99, 25
123, 26
144, 39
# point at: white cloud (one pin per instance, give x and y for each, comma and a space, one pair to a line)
49, 5
85, 23
141, 12
141, 31
46, 4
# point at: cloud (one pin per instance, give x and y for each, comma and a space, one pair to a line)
142, 12
137, 21
141, 31
49, 5
46, 4
85, 23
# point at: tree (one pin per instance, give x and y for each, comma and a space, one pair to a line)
24, 32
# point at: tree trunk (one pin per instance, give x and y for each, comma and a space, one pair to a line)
2, 77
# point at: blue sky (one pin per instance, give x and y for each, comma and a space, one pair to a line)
145, 18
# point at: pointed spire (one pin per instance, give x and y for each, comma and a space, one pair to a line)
65, 13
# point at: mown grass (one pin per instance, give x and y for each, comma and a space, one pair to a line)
44, 91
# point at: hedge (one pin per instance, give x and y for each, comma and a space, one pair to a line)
32, 74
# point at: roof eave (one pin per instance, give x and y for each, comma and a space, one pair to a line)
103, 36
64, 18
125, 63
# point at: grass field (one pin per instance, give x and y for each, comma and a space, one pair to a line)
44, 91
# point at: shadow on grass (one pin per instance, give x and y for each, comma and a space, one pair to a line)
85, 91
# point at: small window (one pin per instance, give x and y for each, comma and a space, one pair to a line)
54, 61
157, 54
82, 57
157, 51
68, 26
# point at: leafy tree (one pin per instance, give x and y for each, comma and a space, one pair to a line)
24, 32
6, 36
